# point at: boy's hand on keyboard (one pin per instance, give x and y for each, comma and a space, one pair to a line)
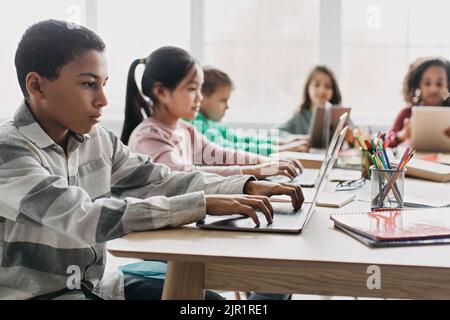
268, 189
239, 204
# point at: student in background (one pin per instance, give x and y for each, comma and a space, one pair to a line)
216, 91
172, 82
321, 87
425, 84
69, 185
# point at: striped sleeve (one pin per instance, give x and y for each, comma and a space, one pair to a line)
136, 175
40, 199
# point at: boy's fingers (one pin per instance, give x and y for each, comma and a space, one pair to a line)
299, 192
266, 201
249, 211
259, 204
291, 191
300, 195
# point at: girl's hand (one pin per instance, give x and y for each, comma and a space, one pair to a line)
447, 132
239, 204
405, 133
445, 96
268, 189
274, 168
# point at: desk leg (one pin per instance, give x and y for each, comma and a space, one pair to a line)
184, 280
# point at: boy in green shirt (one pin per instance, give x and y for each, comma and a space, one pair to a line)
216, 92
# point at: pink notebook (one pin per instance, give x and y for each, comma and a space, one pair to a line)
410, 224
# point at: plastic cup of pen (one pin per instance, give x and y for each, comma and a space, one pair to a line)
366, 163
387, 188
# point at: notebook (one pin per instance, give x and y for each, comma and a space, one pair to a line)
335, 200
427, 170
396, 227
443, 158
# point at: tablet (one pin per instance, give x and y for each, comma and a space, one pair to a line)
323, 118
428, 125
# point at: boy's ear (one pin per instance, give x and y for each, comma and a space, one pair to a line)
33, 83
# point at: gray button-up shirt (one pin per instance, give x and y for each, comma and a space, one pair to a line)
57, 210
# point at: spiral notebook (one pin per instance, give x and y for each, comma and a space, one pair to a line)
396, 227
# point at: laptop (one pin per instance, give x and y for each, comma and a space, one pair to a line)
286, 219
324, 122
427, 129
308, 177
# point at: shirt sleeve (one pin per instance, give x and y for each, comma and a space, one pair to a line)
290, 125
39, 198
177, 163
210, 153
233, 138
136, 175
392, 140
229, 138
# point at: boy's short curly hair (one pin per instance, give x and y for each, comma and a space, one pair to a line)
48, 45
214, 78
415, 72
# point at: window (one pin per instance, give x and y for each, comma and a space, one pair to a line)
380, 38
267, 47
132, 30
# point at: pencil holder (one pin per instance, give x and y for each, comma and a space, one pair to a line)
366, 163
387, 188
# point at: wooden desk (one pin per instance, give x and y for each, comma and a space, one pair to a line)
321, 261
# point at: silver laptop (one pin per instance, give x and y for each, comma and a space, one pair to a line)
286, 219
427, 129
309, 177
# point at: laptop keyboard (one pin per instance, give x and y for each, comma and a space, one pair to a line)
285, 209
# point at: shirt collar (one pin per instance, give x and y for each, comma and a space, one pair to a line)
201, 116
26, 123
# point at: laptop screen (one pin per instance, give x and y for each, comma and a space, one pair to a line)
325, 172
331, 147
